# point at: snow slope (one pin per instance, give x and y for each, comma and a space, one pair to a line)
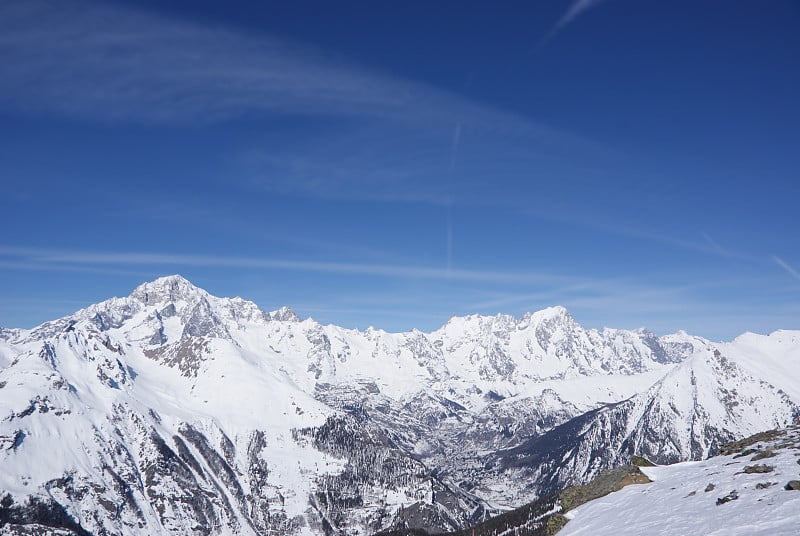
690, 498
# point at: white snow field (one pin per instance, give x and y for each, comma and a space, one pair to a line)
698, 498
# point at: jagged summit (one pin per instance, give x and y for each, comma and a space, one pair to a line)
556, 315
170, 289
284, 314
167, 289
555, 311
552, 317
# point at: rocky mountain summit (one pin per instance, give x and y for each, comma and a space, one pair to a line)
172, 411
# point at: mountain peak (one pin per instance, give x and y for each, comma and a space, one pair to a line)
167, 289
556, 310
284, 314
548, 313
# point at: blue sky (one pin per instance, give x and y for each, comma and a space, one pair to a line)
393, 164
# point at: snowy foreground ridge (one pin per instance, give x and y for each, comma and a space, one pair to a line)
171, 411
754, 491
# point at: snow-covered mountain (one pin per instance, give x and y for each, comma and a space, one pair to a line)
700, 404
171, 411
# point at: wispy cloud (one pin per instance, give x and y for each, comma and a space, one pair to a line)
785, 265
707, 245
462, 162
546, 296
362, 165
390, 138
627, 295
46, 266
62, 259
110, 62
661, 305
575, 10
228, 217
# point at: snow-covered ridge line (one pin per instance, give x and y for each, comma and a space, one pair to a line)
175, 288
495, 353
186, 410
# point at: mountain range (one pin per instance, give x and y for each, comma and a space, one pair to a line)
171, 411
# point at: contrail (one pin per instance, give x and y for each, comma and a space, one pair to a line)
35, 258
783, 264
449, 236
454, 147
449, 200
714, 245
575, 10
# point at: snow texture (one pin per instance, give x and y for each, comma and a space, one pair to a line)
717, 496
171, 411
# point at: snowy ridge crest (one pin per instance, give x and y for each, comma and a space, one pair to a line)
168, 289
175, 410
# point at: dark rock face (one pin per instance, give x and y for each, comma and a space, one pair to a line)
201, 321
760, 455
266, 517
758, 468
186, 355
602, 485
217, 463
173, 489
639, 461
737, 447
42, 512
732, 496
555, 523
